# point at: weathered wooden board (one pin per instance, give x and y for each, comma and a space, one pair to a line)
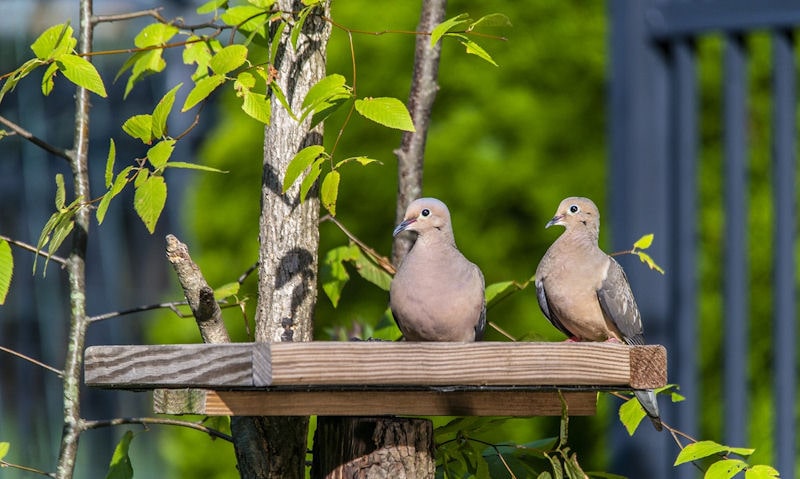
381, 364
372, 403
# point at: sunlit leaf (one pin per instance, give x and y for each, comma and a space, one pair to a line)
141, 127
116, 187
155, 34
333, 274
149, 200
256, 105
278, 93
644, 242
61, 192
82, 73
699, 450
226, 290
6, 273
311, 178
389, 112
297, 28
450, 24
329, 86
48, 79
193, 166
362, 160
645, 258
55, 41
202, 89
110, 159
4, 448
631, 414
330, 191
159, 154
761, 472
497, 292
477, 50
725, 469
120, 466
491, 20
371, 272
162, 110
247, 17
228, 59
211, 6
299, 163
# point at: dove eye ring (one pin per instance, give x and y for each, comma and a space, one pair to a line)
425, 213
574, 209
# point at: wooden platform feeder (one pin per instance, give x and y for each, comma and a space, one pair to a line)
376, 378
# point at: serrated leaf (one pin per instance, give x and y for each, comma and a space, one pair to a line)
389, 112
6, 273
699, 450
261, 3
202, 89
477, 50
631, 414
197, 52
120, 466
228, 59
323, 89
19, 74
330, 191
141, 127
56, 40
311, 178
211, 6
247, 17
158, 155
644, 242
725, 469
460, 20
244, 80
155, 34
110, 159
4, 448
48, 79
193, 166
645, 258
149, 200
226, 290
81, 72
371, 272
162, 110
302, 160
61, 192
118, 185
256, 105
143, 63
142, 174
755, 472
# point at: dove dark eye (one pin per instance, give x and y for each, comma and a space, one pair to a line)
426, 212
573, 209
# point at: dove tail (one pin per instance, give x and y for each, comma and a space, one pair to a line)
649, 402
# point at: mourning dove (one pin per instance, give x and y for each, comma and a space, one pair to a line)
584, 292
436, 294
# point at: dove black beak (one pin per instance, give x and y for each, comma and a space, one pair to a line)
403, 226
555, 221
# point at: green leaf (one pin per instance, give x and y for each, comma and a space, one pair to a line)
120, 466
371, 272
490, 20
4, 448
699, 450
61, 193
141, 127
144, 63
389, 112
644, 242
112, 155
226, 290
228, 59
450, 24
159, 154
211, 6
155, 34
645, 258
262, 3
6, 272
273, 48
362, 160
333, 274
256, 105
631, 414
149, 200
497, 292
82, 73
475, 49
755, 472
244, 81
327, 87
299, 163
202, 89
311, 178
330, 191
725, 469
119, 184
55, 41
278, 93
161, 112
48, 79
19, 74
193, 166
199, 53
247, 17
297, 28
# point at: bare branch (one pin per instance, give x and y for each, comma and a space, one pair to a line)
34, 249
34, 361
172, 306
26, 469
144, 421
153, 12
61, 153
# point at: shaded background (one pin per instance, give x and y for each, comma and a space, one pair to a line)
505, 146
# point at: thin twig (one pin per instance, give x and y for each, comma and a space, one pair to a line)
144, 421
153, 12
382, 261
502, 331
34, 249
172, 306
34, 361
59, 152
26, 469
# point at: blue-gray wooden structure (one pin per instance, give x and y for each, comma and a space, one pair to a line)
654, 142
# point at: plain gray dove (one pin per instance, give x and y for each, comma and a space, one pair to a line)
584, 292
437, 294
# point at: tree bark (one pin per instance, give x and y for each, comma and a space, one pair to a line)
289, 237
373, 447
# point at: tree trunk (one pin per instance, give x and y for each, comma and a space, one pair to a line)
289, 241
373, 447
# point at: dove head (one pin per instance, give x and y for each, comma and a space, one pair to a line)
426, 216
577, 213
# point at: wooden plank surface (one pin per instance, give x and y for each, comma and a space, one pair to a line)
372, 403
336, 364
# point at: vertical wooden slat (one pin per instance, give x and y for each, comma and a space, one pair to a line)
735, 240
683, 353
784, 101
